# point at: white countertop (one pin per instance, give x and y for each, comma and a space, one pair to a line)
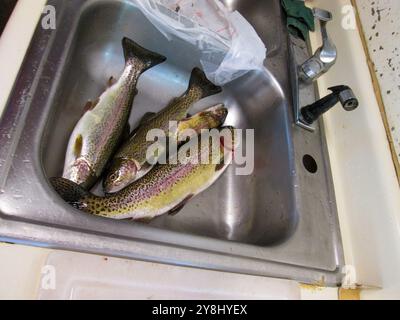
366, 186
367, 191
381, 26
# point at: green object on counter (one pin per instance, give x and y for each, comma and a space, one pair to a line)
300, 19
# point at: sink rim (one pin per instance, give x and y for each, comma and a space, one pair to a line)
12, 229
262, 234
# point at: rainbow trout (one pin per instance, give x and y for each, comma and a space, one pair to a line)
129, 163
98, 132
165, 189
210, 118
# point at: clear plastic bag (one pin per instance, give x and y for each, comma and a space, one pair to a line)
229, 45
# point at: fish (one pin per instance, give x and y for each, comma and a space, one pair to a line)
209, 118
165, 189
98, 133
130, 162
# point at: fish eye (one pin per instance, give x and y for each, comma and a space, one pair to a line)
113, 176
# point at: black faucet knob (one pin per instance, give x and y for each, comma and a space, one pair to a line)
342, 94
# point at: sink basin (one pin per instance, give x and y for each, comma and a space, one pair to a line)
280, 220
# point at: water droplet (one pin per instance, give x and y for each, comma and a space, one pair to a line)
18, 196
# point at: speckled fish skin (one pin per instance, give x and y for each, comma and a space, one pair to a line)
165, 189
129, 163
98, 132
123, 172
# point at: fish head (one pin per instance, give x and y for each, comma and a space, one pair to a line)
121, 174
219, 112
222, 143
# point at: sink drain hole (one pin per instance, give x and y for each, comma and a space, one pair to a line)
310, 164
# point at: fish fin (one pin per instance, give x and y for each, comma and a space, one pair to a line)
95, 103
111, 81
134, 131
90, 105
180, 206
78, 146
146, 117
199, 79
134, 51
143, 220
69, 191
220, 165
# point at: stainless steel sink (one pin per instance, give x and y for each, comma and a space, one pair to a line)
280, 221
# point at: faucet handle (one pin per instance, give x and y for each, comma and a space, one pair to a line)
325, 56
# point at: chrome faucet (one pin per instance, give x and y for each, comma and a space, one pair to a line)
325, 57
322, 60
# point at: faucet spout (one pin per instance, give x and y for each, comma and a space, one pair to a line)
342, 94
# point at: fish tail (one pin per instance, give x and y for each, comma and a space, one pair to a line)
198, 79
69, 191
133, 51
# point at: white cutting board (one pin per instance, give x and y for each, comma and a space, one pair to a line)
73, 276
